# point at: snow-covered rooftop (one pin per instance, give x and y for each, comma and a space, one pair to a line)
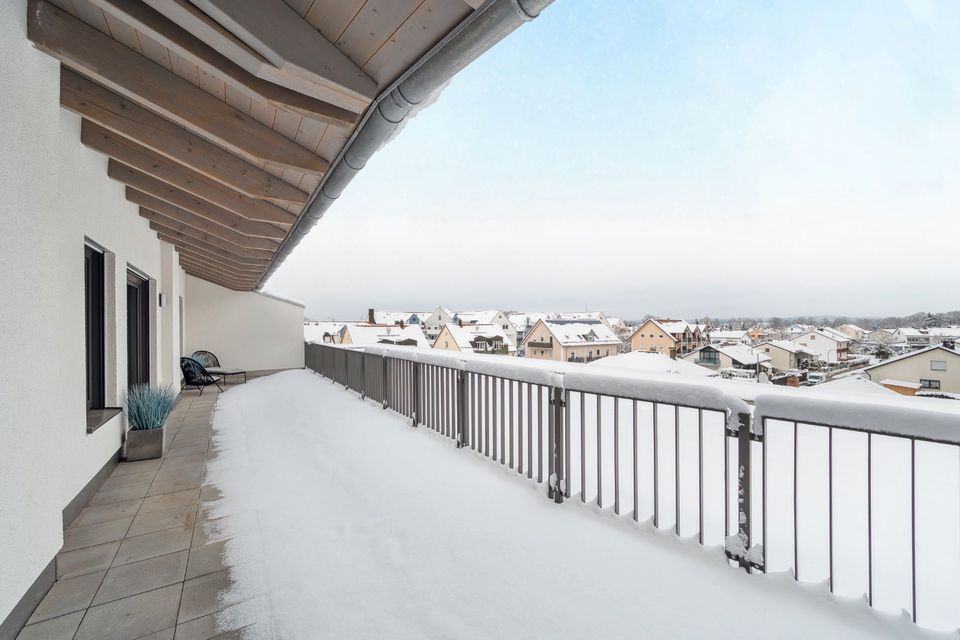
464, 335
786, 345
314, 331
478, 317
574, 332
913, 354
396, 317
362, 333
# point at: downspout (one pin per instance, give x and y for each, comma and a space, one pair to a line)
482, 29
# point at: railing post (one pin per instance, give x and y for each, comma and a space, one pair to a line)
743, 489
415, 390
346, 369
383, 381
461, 409
556, 482
363, 375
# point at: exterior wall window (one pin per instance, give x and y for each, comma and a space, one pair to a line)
929, 384
938, 365
93, 319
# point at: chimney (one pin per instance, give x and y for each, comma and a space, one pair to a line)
370, 315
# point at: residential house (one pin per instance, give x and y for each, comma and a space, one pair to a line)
582, 315
828, 345
327, 331
729, 356
785, 355
797, 329
852, 331
435, 321
917, 338
364, 333
735, 336
491, 316
474, 338
570, 340
674, 338
396, 317
934, 368
880, 336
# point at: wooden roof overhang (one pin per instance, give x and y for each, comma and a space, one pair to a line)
222, 117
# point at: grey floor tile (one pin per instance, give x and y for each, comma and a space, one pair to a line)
152, 545
170, 500
202, 596
86, 560
186, 450
208, 558
67, 596
166, 634
61, 628
131, 468
105, 496
106, 512
132, 617
94, 534
130, 579
182, 517
119, 482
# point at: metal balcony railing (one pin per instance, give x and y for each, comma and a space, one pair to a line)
534, 344
864, 496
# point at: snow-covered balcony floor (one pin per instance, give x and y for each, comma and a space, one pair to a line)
342, 521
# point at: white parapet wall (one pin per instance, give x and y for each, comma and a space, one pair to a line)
245, 329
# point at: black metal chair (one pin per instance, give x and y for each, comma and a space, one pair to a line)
195, 375
212, 364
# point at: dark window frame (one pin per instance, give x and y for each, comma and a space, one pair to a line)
929, 383
94, 327
138, 328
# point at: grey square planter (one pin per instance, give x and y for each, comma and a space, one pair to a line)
144, 444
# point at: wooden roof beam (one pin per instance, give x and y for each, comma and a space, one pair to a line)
271, 41
148, 21
214, 241
123, 70
217, 247
176, 218
141, 158
198, 206
116, 113
187, 250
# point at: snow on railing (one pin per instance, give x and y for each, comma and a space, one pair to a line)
863, 495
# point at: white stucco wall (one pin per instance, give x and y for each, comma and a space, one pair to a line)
245, 329
53, 193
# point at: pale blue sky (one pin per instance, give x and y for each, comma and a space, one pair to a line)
668, 157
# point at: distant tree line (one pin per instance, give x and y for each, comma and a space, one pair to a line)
919, 320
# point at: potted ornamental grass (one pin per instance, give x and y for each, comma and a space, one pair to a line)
147, 409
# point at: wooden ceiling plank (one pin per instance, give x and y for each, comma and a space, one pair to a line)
228, 272
116, 113
148, 21
211, 243
124, 71
201, 256
272, 41
211, 253
174, 216
214, 280
178, 198
200, 235
141, 158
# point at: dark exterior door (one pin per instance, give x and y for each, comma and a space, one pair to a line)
138, 330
